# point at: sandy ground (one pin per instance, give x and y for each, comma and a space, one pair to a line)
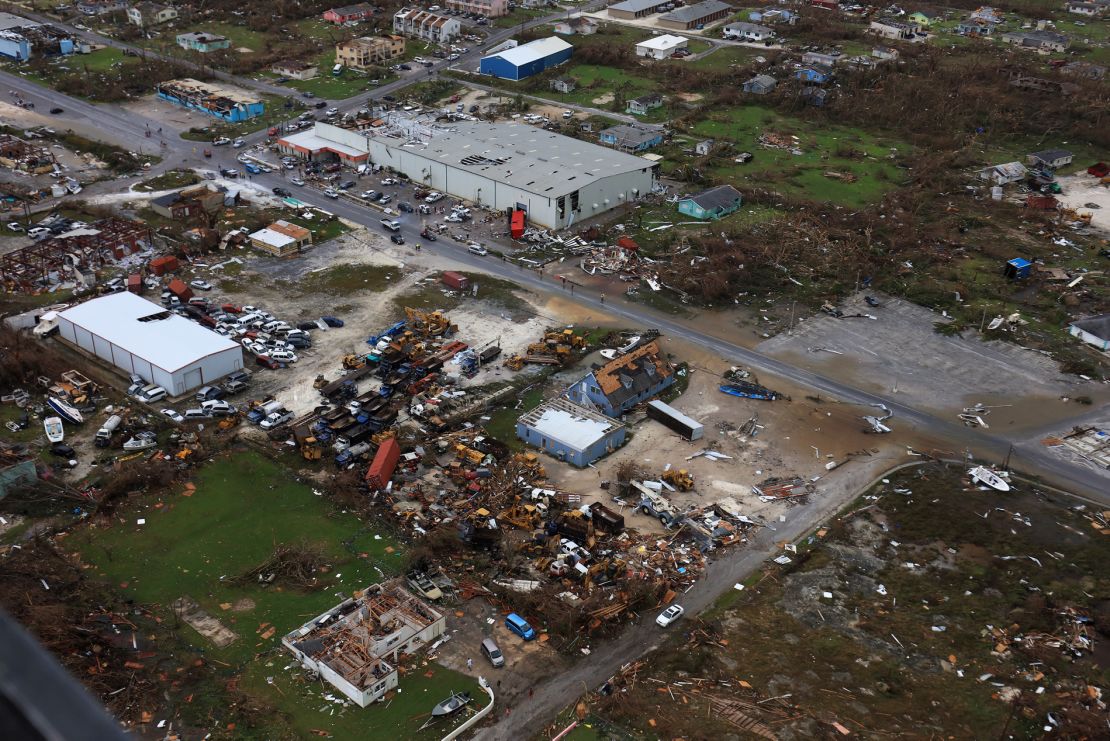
174, 118
798, 438
1082, 189
21, 117
363, 313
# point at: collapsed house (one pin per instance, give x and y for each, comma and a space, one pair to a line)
215, 100
20, 39
349, 644
71, 255
623, 382
17, 154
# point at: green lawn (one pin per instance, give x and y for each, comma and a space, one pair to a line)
725, 57
596, 86
824, 149
244, 505
519, 16
502, 423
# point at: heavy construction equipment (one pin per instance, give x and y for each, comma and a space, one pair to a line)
232, 420
513, 362
463, 453
530, 465
353, 362
312, 449
429, 323
679, 478
320, 382
565, 337
523, 516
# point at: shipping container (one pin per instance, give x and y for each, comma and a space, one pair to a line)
454, 280
384, 464
670, 417
180, 289
135, 283
163, 265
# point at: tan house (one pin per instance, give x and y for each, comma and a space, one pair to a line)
368, 51
281, 238
295, 70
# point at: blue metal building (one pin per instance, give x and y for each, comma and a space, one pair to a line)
570, 432
526, 60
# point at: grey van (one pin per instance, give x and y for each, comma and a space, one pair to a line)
491, 651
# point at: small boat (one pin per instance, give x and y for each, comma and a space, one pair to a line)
55, 433
141, 441
451, 705
984, 475
67, 412
745, 390
608, 353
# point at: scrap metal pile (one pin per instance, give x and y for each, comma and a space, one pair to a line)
557, 347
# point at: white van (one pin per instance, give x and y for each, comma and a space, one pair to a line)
38, 232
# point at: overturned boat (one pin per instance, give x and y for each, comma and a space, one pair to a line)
984, 475
66, 411
55, 432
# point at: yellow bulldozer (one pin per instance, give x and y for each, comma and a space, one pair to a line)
463, 453
232, 420
523, 516
353, 362
679, 478
514, 362
312, 449
428, 323
566, 337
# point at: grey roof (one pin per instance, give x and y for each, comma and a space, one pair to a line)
764, 80
572, 425
635, 6
690, 13
521, 155
722, 196
1099, 326
167, 200
648, 99
1047, 155
631, 134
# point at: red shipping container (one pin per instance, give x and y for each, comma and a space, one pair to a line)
135, 283
454, 280
179, 289
384, 464
163, 265
517, 224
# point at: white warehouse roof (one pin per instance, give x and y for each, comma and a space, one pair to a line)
533, 50
664, 42
566, 422
147, 330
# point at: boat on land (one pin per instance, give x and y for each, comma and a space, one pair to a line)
986, 476
141, 441
55, 432
451, 705
67, 412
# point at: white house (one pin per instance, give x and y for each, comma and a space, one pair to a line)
748, 32
661, 47
1093, 330
1010, 172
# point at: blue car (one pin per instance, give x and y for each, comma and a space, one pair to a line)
253, 169
332, 321
520, 626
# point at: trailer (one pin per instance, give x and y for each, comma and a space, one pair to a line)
673, 419
384, 464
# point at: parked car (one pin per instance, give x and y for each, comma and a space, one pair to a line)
63, 451
267, 362
194, 414
172, 415
277, 419
385, 199
221, 141
369, 195
299, 181
321, 104
396, 239
229, 173
239, 142
492, 652
331, 192
240, 375
520, 626
152, 394
284, 356
217, 407
347, 185
14, 226
282, 192
202, 285
208, 393
668, 616
406, 207
477, 249
332, 321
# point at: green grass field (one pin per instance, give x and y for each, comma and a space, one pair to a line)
597, 85
824, 149
244, 505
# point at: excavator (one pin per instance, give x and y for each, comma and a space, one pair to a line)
679, 478
429, 323
353, 362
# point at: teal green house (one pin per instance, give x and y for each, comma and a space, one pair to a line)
711, 204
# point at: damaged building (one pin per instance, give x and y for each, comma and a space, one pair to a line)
356, 645
17, 154
624, 382
72, 255
20, 39
215, 100
570, 432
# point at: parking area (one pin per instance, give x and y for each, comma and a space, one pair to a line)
899, 352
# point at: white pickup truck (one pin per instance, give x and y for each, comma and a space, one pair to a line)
392, 225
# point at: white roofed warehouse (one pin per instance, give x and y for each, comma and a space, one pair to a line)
555, 179
141, 337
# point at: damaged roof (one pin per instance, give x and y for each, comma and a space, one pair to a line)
631, 374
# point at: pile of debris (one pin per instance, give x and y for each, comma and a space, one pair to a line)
557, 347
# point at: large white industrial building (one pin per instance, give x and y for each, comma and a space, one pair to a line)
141, 337
557, 180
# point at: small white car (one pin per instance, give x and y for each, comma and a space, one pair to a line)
151, 394
238, 143
477, 249
14, 226
283, 356
221, 141
331, 192
173, 415
668, 616
297, 181
202, 285
217, 407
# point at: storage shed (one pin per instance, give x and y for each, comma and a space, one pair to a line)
141, 337
526, 60
570, 432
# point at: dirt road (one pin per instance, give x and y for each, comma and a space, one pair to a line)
530, 715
